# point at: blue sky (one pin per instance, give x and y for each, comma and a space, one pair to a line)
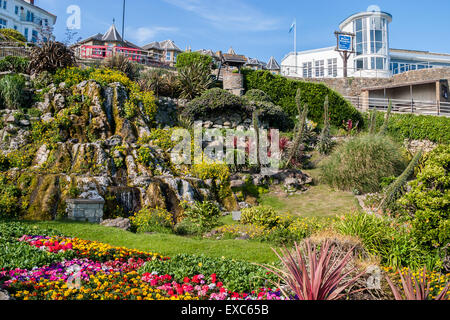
256, 28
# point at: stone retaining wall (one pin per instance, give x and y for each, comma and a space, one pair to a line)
85, 210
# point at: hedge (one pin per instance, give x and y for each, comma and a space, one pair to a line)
417, 127
283, 91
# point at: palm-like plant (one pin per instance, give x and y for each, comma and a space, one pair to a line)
314, 275
194, 79
415, 288
51, 56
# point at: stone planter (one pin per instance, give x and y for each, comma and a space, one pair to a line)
85, 210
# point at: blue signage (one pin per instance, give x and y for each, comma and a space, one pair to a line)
344, 42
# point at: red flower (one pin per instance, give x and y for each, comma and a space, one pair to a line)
186, 280
219, 284
213, 278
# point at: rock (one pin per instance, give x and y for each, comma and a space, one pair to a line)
244, 205
47, 117
237, 183
11, 119
24, 123
59, 102
120, 223
4, 296
236, 215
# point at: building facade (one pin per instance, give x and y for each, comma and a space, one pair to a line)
27, 18
165, 51
372, 55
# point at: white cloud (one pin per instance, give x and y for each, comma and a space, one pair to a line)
144, 35
229, 14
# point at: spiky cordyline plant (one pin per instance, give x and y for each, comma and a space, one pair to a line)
415, 288
51, 56
313, 276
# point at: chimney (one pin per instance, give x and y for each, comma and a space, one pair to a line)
30, 2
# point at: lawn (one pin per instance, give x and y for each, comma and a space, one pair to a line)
319, 201
165, 244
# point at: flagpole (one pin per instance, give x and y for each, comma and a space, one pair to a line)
295, 44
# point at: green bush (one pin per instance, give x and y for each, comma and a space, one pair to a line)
12, 35
428, 202
416, 127
4, 163
213, 101
263, 216
14, 64
361, 163
202, 216
257, 95
153, 220
282, 91
237, 276
11, 90
186, 59
387, 239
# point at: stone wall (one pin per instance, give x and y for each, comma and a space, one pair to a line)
353, 86
85, 210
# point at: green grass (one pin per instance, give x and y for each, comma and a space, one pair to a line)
165, 244
319, 201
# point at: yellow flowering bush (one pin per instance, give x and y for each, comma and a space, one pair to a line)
238, 230
262, 216
153, 220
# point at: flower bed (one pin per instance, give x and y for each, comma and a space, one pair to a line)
97, 271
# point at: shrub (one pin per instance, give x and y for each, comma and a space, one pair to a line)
12, 35
14, 64
11, 90
9, 199
361, 163
428, 202
416, 127
387, 239
204, 216
257, 95
194, 79
186, 59
161, 82
50, 57
217, 172
4, 163
263, 216
214, 101
282, 91
325, 144
270, 113
153, 220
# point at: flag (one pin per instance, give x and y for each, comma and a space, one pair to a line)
293, 26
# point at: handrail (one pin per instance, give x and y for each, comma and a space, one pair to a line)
426, 107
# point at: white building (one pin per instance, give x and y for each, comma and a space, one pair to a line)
372, 55
25, 17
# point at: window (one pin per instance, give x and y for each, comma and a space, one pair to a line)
26, 33
168, 56
15, 27
3, 23
361, 64
16, 10
332, 67
360, 29
320, 68
34, 36
305, 70
5, 3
